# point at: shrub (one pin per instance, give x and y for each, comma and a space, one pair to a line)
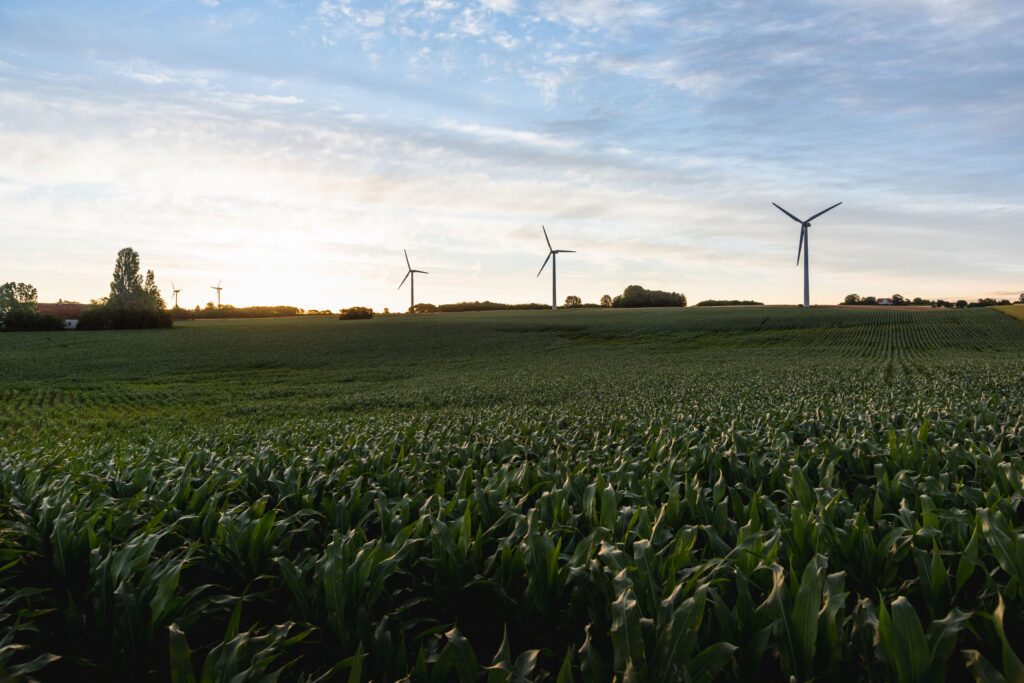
356, 313
113, 317
30, 321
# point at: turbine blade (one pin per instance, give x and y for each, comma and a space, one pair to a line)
803, 236
421, 271
821, 212
409, 265
787, 213
545, 263
220, 282
566, 251
550, 248
405, 278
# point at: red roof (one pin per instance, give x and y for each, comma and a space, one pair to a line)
63, 310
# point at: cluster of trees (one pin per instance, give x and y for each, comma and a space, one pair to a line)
464, 306
573, 301
133, 303
636, 296
356, 313
900, 300
18, 310
729, 302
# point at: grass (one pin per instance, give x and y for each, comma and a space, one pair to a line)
656, 494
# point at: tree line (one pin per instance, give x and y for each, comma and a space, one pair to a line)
900, 300
229, 311
634, 296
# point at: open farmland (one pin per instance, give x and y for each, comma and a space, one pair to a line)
730, 494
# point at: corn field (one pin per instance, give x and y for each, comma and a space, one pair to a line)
699, 495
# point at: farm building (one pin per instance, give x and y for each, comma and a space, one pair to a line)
68, 311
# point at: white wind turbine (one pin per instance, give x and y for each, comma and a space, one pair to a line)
411, 276
552, 254
218, 288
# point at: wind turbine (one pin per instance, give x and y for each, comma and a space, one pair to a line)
805, 247
218, 288
552, 253
176, 292
412, 282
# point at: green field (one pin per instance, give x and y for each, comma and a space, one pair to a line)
732, 494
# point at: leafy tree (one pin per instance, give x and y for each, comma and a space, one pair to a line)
423, 308
127, 286
1020, 299
18, 311
869, 300
132, 303
898, 300
572, 301
152, 290
18, 297
851, 299
606, 301
960, 303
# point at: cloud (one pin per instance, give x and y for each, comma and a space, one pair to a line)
505, 40
669, 72
595, 14
150, 73
494, 134
504, 6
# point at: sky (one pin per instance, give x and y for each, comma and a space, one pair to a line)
293, 149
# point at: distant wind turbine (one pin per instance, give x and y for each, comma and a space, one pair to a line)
218, 288
176, 292
552, 254
805, 246
411, 276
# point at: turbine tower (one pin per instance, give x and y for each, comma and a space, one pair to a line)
412, 282
804, 246
176, 292
552, 253
218, 288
